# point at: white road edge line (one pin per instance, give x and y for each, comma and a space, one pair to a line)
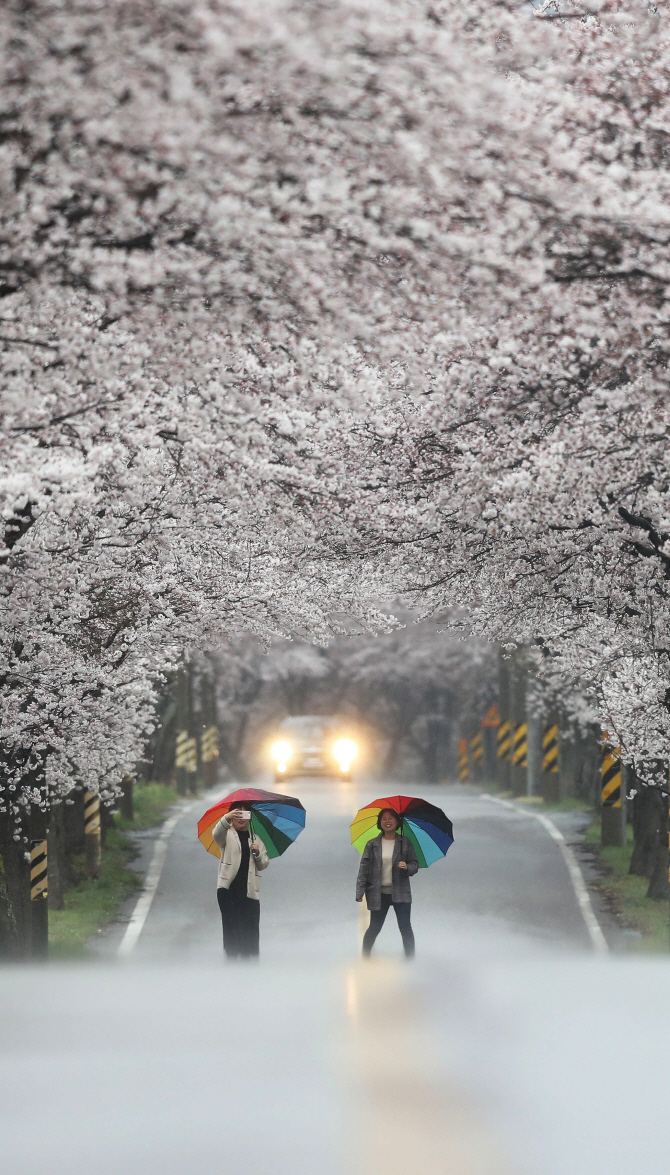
598, 940
143, 904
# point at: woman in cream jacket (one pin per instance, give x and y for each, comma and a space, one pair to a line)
243, 857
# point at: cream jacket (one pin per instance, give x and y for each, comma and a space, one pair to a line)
231, 855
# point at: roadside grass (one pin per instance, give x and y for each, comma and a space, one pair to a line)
150, 802
567, 804
92, 904
627, 895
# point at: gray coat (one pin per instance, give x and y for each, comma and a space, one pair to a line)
369, 881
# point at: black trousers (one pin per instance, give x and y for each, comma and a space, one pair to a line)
403, 911
240, 918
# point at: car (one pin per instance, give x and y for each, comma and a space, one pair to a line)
309, 744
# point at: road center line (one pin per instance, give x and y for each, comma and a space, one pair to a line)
143, 904
598, 940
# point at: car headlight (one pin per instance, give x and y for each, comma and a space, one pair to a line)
344, 753
281, 753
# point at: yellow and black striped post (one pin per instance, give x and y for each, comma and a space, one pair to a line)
550, 772
210, 744
39, 885
550, 749
519, 758
92, 833
463, 761
186, 761
504, 740
39, 906
209, 749
613, 820
477, 753
520, 745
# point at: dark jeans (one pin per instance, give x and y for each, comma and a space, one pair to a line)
403, 911
240, 918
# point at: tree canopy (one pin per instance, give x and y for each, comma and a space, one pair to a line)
308, 306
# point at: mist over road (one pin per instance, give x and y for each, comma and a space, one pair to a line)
493, 1054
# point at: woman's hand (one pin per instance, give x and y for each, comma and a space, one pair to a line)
402, 864
255, 849
359, 899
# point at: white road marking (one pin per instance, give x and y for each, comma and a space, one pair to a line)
598, 940
143, 904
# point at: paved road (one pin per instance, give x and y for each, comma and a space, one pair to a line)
503, 885
508, 1048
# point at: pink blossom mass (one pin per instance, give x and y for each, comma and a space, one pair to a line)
309, 307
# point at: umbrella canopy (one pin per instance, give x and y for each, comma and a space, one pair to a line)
430, 831
276, 820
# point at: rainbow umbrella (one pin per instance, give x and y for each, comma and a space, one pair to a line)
276, 820
430, 831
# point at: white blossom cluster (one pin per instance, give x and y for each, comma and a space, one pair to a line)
307, 305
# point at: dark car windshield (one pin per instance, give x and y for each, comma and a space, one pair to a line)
307, 729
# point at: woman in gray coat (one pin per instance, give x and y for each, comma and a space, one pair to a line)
387, 864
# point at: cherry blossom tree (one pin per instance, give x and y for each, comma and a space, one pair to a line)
307, 306
528, 480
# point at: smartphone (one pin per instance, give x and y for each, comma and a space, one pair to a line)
244, 815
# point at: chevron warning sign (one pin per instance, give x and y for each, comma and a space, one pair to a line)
504, 740
520, 746
610, 776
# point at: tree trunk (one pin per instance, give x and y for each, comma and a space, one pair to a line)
503, 774
209, 739
519, 749
567, 760
106, 822
73, 822
186, 758
649, 815
60, 874
15, 914
659, 889
232, 760
126, 805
